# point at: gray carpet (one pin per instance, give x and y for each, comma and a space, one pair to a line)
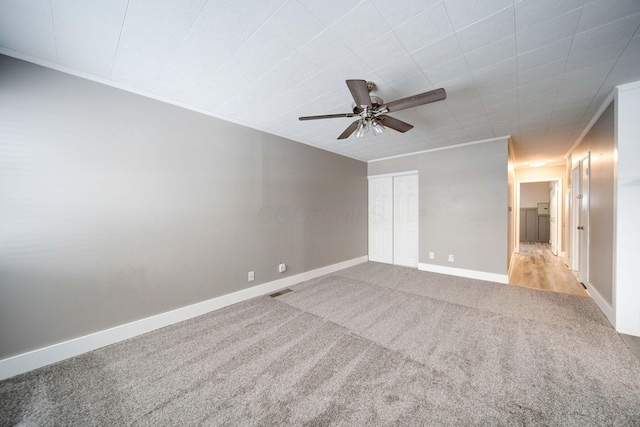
370, 345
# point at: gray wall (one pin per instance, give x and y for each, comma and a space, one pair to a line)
533, 192
600, 142
463, 204
115, 207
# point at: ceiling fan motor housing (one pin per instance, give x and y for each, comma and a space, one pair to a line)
376, 102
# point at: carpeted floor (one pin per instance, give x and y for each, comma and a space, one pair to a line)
370, 345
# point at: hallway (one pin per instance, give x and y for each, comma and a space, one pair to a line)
536, 267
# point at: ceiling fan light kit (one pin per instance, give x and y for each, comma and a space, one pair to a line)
372, 110
362, 129
377, 127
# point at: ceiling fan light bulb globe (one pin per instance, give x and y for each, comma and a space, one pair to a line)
377, 127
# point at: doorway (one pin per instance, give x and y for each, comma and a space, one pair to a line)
539, 213
538, 260
393, 219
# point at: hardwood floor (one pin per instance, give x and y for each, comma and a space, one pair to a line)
536, 267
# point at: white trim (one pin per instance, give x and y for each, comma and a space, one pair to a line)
499, 138
25, 362
629, 86
392, 174
107, 82
602, 304
614, 253
461, 272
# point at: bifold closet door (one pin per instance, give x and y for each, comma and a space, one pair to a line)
405, 220
381, 219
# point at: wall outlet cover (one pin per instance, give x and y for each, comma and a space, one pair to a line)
450, 258
251, 276
432, 255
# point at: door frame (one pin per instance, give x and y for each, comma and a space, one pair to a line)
559, 214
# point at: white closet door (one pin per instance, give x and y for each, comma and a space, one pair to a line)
381, 219
405, 220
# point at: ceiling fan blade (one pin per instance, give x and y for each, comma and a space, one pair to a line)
348, 131
415, 100
360, 92
393, 123
326, 116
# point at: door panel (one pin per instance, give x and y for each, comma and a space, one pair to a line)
405, 222
583, 230
574, 245
381, 220
553, 217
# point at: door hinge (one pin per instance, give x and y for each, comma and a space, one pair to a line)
587, 171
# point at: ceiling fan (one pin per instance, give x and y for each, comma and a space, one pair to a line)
371, 110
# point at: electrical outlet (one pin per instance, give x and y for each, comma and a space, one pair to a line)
282, 267
251, 276
432, 255
450, 258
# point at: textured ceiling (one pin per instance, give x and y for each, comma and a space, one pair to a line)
534, 69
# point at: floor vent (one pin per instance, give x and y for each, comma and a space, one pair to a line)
282, 292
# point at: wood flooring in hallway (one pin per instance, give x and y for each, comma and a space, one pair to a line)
536, 267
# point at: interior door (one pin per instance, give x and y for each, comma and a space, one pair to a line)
583, 225
405, 220
553, 216
574, 245
381, 219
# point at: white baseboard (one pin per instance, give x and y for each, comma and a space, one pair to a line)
25, 362
602, 304
461, 272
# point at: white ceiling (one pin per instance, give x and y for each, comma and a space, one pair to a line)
534, 69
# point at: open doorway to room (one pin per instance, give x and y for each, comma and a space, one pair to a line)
538, 261
535, 213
